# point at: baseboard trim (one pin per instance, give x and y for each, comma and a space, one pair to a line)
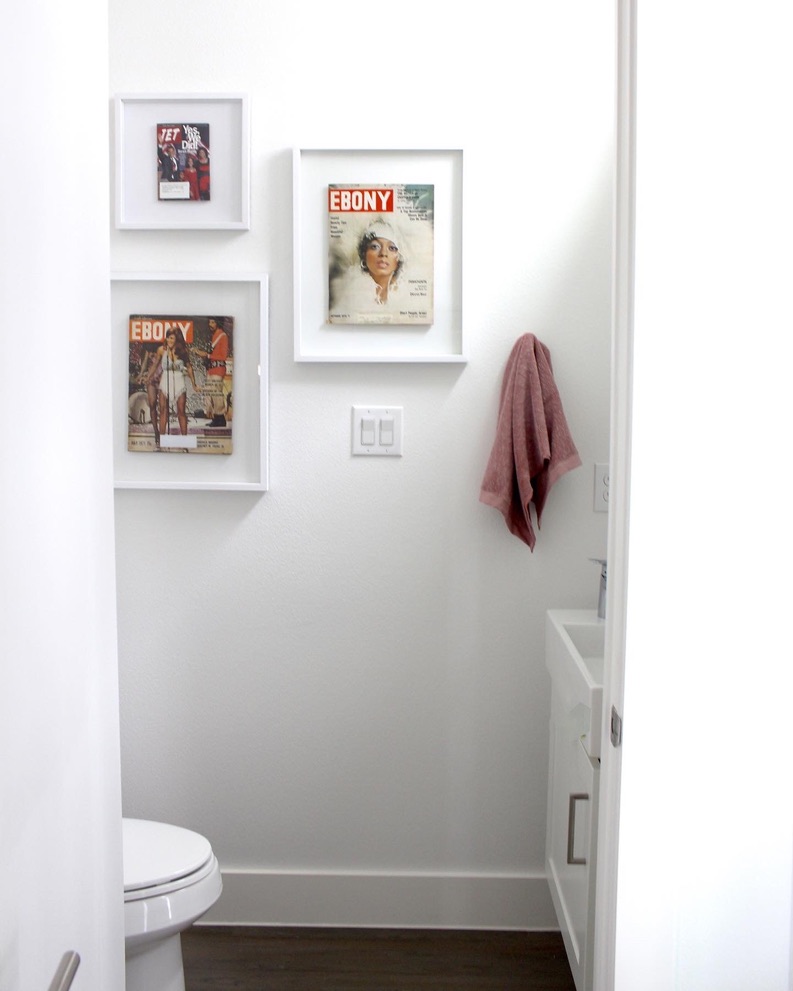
401, 901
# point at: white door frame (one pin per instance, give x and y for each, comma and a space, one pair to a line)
620, 455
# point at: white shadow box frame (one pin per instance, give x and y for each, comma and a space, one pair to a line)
245, 297
314, 169
136, 201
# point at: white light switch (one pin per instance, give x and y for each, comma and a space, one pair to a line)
377, 430
387, 431
367, 431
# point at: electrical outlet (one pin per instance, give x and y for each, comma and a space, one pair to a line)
601, 498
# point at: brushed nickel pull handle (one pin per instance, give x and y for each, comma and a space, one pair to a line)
67, 968
571, 858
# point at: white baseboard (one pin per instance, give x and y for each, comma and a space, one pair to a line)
399, 901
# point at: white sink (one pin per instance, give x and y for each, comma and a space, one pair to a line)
574, 650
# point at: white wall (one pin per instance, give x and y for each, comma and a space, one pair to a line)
705, 858
60, 801
345, 675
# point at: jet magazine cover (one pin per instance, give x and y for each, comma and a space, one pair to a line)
180, 384
381, 254
183, 161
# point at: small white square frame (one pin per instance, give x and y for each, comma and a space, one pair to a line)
245, 298
316, 339
136, 202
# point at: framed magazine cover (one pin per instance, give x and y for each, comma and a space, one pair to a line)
141, 304
351, 207
205, 138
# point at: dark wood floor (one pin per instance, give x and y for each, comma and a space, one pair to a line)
250, 958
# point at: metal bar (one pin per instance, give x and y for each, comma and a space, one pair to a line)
571, 858
67, 968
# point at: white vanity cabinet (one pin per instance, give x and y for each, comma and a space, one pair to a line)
573, 782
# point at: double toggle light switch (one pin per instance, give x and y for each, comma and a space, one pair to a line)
377, 430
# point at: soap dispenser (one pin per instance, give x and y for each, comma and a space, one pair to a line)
602, 591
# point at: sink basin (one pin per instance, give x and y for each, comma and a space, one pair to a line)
574, 652
589, 641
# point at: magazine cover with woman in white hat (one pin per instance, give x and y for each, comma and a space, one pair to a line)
381, 254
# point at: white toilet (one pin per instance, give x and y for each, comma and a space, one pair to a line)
171, 878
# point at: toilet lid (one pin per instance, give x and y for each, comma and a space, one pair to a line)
156, 852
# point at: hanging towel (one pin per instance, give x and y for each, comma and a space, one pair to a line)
533, 447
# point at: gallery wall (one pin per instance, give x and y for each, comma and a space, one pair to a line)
341, 681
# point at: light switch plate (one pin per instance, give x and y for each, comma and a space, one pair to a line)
392, 415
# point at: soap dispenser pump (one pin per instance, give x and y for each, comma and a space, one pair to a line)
602, 591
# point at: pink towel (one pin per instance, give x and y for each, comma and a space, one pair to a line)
533, 447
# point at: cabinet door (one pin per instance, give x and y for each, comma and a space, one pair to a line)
571, 839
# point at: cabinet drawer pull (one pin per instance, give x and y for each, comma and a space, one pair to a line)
571, 858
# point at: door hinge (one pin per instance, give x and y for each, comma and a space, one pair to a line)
616, 727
